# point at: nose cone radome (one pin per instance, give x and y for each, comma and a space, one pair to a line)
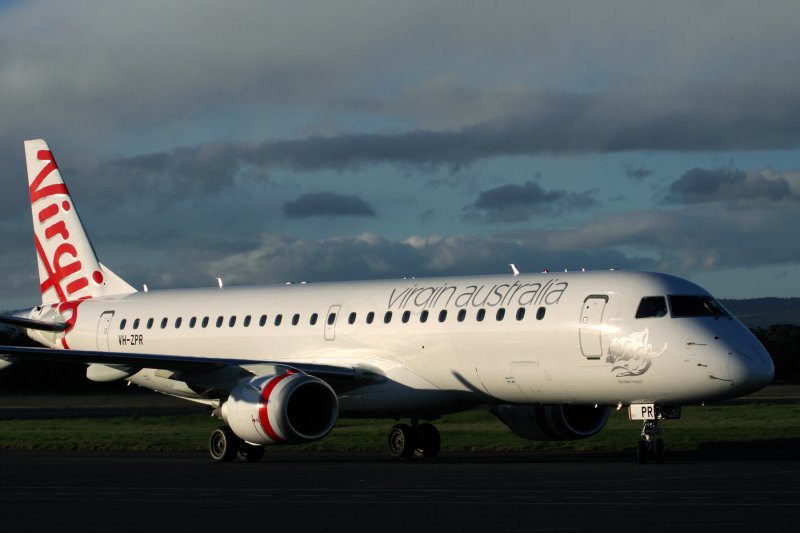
750, 369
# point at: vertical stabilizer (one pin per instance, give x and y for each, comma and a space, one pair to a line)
68, 267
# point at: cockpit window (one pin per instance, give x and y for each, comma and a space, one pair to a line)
686, 306
652, 306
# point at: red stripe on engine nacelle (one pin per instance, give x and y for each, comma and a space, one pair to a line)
263, 413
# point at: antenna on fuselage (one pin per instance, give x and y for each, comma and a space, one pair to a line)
219, 282
514, 269
145, 287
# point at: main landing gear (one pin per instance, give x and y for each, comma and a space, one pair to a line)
422, 439
650, 443
224, 446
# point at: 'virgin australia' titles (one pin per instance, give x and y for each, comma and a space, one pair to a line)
504, 294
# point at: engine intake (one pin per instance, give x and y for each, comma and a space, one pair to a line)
552, 422
284, 408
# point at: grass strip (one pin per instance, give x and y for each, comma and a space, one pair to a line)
470, 431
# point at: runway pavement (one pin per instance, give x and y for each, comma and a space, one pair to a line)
345, 492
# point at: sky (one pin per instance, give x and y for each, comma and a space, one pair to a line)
271, 141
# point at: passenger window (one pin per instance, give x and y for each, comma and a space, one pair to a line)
192, 321
423, 316
149, 323
262, 321
295, 319
406, 316
370, 317
163, 322
520, 313
178, 322
387, 317
462, 314
122, 323
501, 313
442, 315
246, 322
481, 314
540, 313
331, 319
313, 319
204, 323
219, 321
652, 306
232, 321
278, 319
351, 319
136, 324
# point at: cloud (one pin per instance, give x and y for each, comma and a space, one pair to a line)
279, 258
694, 238
734, 187
667, 241
327, 204
515, 203
700, 119
637, 173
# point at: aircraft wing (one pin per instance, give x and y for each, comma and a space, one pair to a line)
178, 363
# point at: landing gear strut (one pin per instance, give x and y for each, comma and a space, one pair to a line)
406, 440
650, 443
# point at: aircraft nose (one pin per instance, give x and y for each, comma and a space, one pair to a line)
750, 368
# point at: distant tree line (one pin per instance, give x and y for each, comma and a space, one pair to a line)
782, 341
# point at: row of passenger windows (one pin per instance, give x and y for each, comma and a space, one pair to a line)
193, 322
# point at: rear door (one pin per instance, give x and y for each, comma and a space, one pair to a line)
103, 328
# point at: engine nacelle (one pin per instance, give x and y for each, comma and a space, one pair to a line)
283, 408
552, 422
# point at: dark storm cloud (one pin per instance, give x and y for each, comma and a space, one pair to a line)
637, 173
207, 168
728, 184
700, 119
514, 203
328, 204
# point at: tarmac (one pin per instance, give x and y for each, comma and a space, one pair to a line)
370, 492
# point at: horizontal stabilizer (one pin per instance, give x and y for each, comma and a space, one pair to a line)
28, 323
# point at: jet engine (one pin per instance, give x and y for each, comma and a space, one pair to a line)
284, 408
552, 422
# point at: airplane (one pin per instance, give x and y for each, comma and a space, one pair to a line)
550, 354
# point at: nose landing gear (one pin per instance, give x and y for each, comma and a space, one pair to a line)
650, 443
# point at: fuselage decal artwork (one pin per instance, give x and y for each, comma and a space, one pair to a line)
632, 355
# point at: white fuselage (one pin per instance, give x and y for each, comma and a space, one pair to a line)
578, 341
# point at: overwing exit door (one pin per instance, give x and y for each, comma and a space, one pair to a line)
330, 322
